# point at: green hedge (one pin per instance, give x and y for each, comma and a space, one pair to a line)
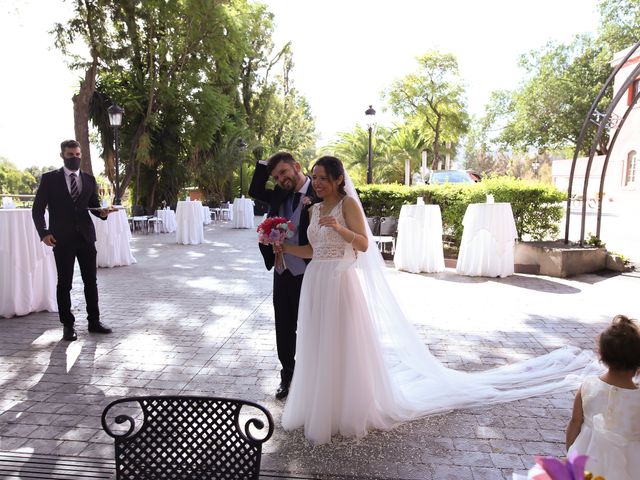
537, 208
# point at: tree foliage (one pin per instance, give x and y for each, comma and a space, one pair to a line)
352, 148
432, 101
285, 121
546, 112
193, 77
14, 181
562, 81
619, 23
402, 153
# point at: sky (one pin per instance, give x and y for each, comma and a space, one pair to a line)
345, 52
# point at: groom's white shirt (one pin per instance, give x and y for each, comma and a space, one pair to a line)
304, 188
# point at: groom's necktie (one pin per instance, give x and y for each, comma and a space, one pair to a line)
287, 206
296, 201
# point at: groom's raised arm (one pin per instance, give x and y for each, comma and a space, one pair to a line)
258, 187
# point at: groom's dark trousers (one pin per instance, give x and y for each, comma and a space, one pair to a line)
286, 296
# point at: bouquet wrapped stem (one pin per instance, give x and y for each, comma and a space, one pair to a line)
280, 263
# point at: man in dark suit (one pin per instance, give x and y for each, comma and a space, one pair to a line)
290, 198
69, 193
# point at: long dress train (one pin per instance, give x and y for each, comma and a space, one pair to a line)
361, 365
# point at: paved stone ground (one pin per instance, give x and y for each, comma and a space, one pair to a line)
198, 320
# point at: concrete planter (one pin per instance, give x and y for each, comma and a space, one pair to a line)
555, 259
616, 263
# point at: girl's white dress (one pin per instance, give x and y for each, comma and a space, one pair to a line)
610, 434
361, 365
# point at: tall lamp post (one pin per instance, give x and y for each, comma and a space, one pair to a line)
115, 119
535, 165
370, 115
242, 145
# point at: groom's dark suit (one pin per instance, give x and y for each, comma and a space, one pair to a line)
75, 236
286, 286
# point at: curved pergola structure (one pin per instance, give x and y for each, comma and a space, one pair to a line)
602, 123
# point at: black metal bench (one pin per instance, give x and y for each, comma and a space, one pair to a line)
188, 437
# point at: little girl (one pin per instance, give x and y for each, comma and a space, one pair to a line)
605, 424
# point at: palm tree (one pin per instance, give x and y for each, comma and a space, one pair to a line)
216, 168
403, 148
352, 148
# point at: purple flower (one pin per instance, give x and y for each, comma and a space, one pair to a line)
572, 469
274, 236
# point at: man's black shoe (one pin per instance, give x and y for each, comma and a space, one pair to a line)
69, 333
283, 391
97, 327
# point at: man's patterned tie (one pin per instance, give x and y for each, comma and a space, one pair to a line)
75, 193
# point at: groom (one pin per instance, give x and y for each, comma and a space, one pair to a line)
290, 198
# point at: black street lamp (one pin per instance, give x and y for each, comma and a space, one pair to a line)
115, 119
242, 145
370, 113
535, 165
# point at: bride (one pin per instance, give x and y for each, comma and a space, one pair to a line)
360, 365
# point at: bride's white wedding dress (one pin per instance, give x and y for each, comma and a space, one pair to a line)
361, 365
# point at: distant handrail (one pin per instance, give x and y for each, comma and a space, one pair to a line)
19, 195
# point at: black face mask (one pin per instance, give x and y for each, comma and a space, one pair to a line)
72, 163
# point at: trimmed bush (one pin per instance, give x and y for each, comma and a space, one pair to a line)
537, 207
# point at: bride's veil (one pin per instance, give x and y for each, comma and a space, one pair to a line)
422, 384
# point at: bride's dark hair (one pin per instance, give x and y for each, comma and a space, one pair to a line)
334, 169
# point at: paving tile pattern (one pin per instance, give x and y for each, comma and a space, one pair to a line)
198, 320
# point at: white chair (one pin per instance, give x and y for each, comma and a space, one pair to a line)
141, 223
225, 211
156, 222
387, 234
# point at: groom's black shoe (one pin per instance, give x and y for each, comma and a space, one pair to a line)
97, 327
283, 390
69, 333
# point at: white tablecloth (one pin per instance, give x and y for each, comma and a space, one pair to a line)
242, 213
27, 268
419, 243
112, 240
488, 239
206, 215
168, 224
189, 226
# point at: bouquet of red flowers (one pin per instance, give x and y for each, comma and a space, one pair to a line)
274, 231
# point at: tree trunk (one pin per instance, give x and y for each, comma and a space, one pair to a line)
407, 171
436, 143
81, 102
436, 153
137, 189
127, 174
603, 146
